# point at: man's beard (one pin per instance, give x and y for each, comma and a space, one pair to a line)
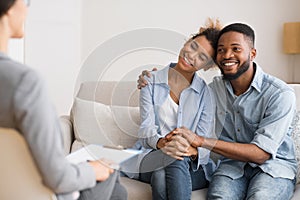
240, 71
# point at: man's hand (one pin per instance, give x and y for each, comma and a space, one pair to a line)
177, 147
102, 169
193, 139
161, 143
193, 151
141, 81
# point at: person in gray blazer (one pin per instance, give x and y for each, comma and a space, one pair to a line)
25, 106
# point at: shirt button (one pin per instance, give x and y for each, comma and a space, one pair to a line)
238, 112
238, 130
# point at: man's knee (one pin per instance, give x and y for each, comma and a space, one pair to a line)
224, 187
267, 187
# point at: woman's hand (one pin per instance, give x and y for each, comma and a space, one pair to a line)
176, 146
193, 139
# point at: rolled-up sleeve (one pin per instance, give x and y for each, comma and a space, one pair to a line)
276, 121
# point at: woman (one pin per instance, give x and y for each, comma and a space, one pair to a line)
174, 97
25, 107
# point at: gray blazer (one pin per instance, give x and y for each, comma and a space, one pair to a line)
25, 106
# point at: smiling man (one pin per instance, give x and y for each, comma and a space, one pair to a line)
254, 112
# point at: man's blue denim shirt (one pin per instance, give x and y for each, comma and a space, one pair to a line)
261, 116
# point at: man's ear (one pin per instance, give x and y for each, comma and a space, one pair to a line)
252, 54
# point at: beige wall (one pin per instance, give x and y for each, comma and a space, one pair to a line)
63, 33
103, 19
52, 47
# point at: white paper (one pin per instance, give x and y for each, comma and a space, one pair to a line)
96, 152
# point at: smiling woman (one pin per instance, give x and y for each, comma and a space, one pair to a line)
176, 96
197, 53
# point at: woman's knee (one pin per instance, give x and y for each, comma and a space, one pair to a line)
179, 164
159, 178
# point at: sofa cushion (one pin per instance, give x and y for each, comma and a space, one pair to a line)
296, 138
296, 88
136, 189
104, 124
121, 93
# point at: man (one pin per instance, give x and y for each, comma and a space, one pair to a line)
254, 112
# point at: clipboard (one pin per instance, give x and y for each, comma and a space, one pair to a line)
114, 154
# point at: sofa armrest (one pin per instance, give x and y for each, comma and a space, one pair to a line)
67, 132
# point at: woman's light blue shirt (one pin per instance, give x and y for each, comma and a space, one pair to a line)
195, 112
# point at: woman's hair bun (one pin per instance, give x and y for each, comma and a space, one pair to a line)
211, 24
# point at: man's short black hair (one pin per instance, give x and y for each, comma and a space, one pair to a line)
240, 28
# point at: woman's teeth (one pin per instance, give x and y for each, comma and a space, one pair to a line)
186, 60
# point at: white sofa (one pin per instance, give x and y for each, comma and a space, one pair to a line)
107, 113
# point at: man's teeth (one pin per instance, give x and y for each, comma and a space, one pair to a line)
229, 64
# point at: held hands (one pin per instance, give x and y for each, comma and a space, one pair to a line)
193, 139
102, 169
142, 81
176, 146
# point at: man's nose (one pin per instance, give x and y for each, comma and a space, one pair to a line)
227, 54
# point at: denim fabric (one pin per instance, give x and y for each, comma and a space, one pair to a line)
262, 116
198, 179
178, 180
195, 112
254, 185
181, 180
174, 181
157, 181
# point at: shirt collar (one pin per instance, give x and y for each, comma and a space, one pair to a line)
258, 77
196, 85
163, 76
